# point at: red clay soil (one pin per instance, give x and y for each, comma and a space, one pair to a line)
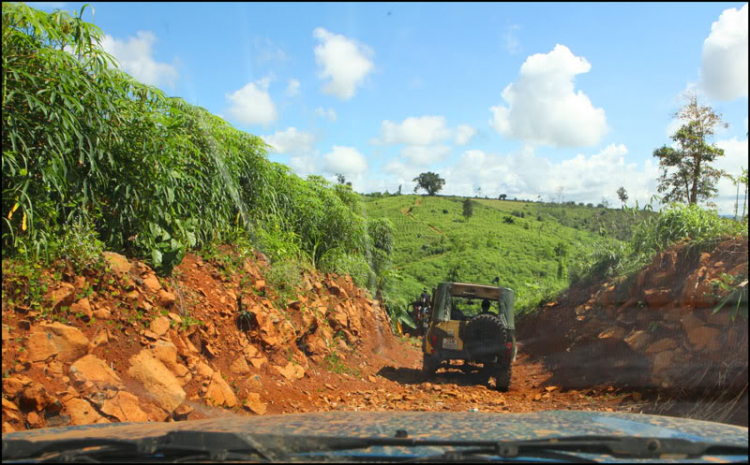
655, 333
372, 370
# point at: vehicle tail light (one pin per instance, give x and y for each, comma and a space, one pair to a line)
434, 340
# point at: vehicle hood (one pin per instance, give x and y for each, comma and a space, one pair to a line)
419, 425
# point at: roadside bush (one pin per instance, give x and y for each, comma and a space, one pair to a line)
285, 277
679, 222
152, 176
79, 246
607, 258
611, 257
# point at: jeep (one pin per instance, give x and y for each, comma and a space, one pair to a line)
473, 323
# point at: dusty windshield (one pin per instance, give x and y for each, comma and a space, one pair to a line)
249, 209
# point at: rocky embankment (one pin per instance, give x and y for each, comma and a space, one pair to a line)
125, 345
656, 330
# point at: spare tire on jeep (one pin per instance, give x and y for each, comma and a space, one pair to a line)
484, 336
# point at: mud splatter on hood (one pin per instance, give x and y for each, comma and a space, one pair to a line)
419, 425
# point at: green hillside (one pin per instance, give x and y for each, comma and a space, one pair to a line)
433, 240
596, 219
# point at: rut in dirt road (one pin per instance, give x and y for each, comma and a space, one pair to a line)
405, 388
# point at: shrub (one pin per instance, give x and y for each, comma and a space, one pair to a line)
285, 277
679, 222
152, 176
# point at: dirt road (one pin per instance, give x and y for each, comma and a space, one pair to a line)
391, 380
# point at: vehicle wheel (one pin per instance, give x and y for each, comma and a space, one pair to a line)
484, 332
502, 377
430, 365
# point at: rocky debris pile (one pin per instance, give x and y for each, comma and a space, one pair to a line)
129, 346
658, 328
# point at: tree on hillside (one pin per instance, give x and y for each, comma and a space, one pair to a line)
468, 209
502, 196
686, 175
622, 194
430, 182
341, 178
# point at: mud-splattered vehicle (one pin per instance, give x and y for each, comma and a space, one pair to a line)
473, 323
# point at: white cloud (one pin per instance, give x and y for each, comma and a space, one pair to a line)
724, 60
345, 160
415, 83
543, 106
512, 45
292, 87
343, 61
135, 57
253, 104
422, 155
329, 113
464, 133
526, 176
291, 141
403, 173
425, 130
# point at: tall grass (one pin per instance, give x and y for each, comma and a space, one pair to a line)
674, 224
86, 144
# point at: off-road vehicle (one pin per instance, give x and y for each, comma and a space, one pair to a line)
473, 323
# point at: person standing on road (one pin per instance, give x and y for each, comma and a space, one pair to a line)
425, 298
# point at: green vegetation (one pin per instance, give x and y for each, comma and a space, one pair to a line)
93, 159
598, 220
432, 183
434, 243
337, 365
686, 175
468, 209
93, 155
678, 222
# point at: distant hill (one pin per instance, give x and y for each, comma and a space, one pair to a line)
528, 245
505, 239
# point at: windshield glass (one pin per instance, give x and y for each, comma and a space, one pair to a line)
250, 210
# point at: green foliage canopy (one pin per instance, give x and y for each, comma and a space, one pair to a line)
468, 209
430, 182
84, 143
686, 175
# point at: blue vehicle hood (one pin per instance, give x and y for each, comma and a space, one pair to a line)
421, 425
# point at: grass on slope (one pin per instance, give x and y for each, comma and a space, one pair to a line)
433, 242
618, 223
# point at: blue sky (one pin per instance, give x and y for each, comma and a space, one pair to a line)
529, 99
